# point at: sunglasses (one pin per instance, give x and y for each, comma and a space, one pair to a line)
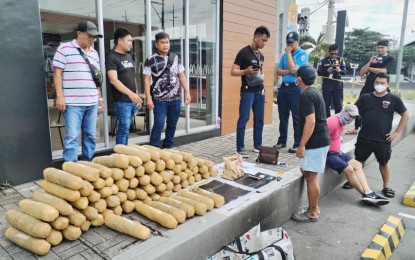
333, 53
90, 36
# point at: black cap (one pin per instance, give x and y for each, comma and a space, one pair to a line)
292, 37
383, 42
307, 74
90, 28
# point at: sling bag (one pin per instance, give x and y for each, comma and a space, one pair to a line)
167, 68
95, 73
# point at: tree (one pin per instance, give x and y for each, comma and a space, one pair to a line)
316, 50
360, 45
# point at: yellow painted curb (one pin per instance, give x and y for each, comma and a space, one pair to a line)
409, 198
385, 242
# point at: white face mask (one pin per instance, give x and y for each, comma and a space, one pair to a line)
380, 88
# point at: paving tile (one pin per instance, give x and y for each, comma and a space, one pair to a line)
65, 245
24, 254
78, 256
12, 248
105, 232
73, 251
12, 206
49, 256
93, 238
92, 255
109, 243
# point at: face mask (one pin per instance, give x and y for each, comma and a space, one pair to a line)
380, 88
344, 118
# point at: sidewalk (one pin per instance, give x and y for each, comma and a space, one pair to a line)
102, 243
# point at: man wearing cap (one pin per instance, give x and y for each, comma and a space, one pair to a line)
330, 68
289, 93
380, 63
342, 162
315, 140
248, 66
121, 73
77, 96
377, 110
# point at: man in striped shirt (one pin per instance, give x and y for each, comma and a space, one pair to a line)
77, 96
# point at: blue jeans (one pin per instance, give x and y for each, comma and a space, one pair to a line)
124, 111
169, 112
288, 99
256, 101
80, 118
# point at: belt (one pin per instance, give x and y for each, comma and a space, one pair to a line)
287, 84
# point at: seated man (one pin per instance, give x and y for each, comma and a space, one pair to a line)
341, 162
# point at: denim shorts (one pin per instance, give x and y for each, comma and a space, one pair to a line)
338, 161
314, 159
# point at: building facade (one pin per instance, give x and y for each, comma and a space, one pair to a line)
205, 34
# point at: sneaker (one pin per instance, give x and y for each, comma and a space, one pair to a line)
293, 149
244, 154
280, 146
374, 199
256, 149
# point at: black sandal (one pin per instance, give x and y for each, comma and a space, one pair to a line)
388, 192
347, 186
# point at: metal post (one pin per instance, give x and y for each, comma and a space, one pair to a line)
100, 22
187, 67
329, 35
149, 47
399, 65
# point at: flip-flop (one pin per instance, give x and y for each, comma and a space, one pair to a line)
347, 186
304, 217
388, 192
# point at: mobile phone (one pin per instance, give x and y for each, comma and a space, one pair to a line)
256, 66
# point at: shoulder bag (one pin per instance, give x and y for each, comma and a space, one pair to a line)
96, 73
268, 155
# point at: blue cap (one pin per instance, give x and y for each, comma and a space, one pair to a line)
292, 37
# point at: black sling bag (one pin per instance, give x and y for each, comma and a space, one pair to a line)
167, 68
95, 73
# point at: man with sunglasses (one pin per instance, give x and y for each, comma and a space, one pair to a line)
381, 62
330, 69
77, 96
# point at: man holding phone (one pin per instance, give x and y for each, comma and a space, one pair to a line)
381, 62
330, 68
248, 65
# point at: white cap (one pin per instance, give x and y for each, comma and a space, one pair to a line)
351, 110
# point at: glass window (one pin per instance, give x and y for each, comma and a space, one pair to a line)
59, 20
131, 16
202, 56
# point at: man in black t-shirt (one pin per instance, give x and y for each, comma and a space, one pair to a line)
314, 142
381, 63
121, 73
248, 65
376, 111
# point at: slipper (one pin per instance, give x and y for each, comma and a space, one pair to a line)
304, 217
347, 186
388, 192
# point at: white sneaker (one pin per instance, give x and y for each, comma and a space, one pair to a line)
244, 154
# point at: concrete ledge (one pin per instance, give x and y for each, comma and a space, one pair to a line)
385, 242
409, 198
